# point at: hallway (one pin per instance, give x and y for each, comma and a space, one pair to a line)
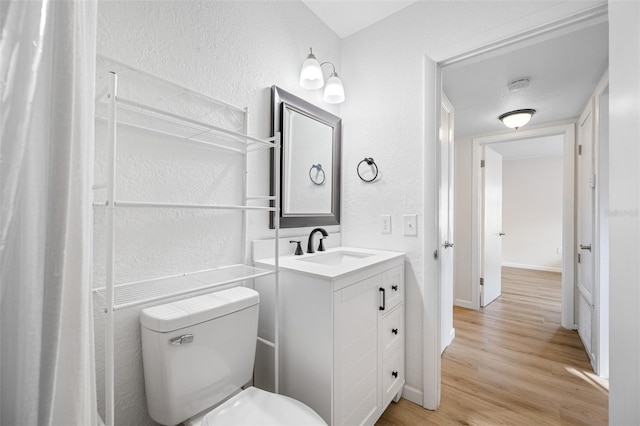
512, 363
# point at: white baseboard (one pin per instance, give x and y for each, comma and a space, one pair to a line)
463, 304
412, 394
533, 267
448, 339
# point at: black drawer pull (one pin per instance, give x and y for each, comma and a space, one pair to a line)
394, 287
395, 374
384, 300
394, 330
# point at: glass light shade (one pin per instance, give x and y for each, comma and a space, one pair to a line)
311, 74
334, 91
518, 118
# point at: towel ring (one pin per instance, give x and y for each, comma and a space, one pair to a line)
370, 162
317, 180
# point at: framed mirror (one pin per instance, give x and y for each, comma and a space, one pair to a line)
310, 162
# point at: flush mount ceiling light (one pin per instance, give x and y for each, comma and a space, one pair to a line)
518, 118
311, 78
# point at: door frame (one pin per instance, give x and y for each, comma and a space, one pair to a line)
447, 335
567, 130
601, 230
538, 25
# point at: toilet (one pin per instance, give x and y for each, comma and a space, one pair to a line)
198, 354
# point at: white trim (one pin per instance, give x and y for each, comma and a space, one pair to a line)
532, 267
432, 295
449, 339
538, 25
463, 303
568, 208
412, 394
600, 346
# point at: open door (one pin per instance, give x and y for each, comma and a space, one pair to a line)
445, 221
491, 274
585, 231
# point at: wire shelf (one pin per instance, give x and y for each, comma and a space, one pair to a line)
136, 293
131, 100
151, 119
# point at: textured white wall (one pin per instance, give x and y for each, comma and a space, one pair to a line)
232, 51
532, 213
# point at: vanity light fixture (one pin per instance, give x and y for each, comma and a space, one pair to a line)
518, 118
311, 78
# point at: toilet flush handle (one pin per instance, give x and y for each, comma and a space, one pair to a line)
185, 338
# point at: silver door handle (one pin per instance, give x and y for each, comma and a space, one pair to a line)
585, 247
501, 234
447, 244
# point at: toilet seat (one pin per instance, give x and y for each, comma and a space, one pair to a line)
254, 406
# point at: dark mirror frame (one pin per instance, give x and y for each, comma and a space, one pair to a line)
279, 98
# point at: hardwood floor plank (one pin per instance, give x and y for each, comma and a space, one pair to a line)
512, 363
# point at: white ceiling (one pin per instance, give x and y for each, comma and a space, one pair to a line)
349, 17
564, 71
564, 68
548, 146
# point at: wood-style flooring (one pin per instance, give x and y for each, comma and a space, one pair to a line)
512, 363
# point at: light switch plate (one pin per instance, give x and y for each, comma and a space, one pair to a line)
410, 224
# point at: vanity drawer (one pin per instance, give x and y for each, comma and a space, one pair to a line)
392, 331
392, 376
393, 285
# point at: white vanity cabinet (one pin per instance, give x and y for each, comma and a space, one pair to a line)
342, 340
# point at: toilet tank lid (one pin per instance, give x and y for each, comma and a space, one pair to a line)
186, 312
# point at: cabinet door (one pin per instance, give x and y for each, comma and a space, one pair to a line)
393, 284
356, 397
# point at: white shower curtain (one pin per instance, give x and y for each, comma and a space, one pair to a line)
47, 63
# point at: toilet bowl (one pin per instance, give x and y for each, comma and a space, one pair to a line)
198, 355
255, 406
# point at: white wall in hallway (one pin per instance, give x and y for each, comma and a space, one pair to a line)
532, 213
462, 291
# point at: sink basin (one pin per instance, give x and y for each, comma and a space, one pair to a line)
336, 262
342, 257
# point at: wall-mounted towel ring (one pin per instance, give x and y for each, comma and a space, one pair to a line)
370, 162
320, 176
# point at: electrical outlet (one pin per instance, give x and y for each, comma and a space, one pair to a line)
410, 224
385, 221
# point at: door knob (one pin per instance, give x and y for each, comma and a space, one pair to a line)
583, 247
501, 234
447, 244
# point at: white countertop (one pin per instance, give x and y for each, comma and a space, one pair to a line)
356, 261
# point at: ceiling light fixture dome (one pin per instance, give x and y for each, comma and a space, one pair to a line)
518, 118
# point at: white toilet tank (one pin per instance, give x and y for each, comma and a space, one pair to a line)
197, 352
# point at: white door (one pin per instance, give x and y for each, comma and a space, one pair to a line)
585, 230
491, 274
446, 222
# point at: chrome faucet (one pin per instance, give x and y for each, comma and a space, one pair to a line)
310, 243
